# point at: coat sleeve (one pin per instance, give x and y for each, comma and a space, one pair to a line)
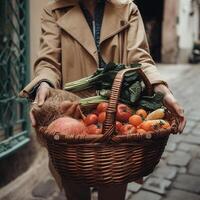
47, 67
138, 49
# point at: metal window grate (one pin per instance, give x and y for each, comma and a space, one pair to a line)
14, 74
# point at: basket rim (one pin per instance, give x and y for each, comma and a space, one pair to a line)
88, 139
124, 144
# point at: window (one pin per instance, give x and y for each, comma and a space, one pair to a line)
14, 74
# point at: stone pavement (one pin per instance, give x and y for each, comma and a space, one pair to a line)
177, 176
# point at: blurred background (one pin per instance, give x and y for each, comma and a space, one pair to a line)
173, 31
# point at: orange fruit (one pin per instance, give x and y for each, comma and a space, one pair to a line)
135, 120
102, 117
102, 107
142, 113
147, 125
166, 125
151, 125
90, 119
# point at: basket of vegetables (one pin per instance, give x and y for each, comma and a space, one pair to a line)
121, 135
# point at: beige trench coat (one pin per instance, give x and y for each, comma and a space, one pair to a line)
68, 51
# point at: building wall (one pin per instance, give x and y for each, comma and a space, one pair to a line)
188, 23
180, 30
35, 13
169, 32
187, 28
22, 159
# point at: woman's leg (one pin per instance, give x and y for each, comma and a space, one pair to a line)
116, 192
76, 191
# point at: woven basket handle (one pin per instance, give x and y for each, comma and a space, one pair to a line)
109, 124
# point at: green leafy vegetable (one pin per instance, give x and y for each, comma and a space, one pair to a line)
132, 91
92, 100
152, 102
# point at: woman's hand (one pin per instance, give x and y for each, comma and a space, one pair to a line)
171, 103
43, 92
68, 108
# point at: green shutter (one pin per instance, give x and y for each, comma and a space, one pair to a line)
14, 74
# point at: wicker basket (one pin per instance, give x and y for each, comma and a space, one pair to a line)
108, 159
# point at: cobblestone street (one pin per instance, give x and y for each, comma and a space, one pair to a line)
177, 176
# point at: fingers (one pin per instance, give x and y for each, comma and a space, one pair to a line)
41, 98
42, 95
171, 103
179, 112
32, 118
182, 124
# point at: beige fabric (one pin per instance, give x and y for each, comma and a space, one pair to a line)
68, 51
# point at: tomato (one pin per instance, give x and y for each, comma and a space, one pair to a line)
102, 117
102, 107
127, 129
91, 119
123, 113
94, 129
118, 126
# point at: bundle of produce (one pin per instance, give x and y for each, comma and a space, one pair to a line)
122, 132
133, 95
132, 92
128, 120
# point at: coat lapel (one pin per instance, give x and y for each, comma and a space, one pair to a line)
75, 24
114, 21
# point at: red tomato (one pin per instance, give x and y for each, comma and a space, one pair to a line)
102, 117
90, 119
102, 107
127, 129
118, 126
123, 113
94, 129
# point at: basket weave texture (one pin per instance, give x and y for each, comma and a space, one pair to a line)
109, 158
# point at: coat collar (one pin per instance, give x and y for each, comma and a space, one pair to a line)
114, 21
57, 4
75, 24
65, 3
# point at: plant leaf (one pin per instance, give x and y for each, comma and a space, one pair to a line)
135, 91
152, 102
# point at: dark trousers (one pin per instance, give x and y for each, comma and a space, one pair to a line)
76, 191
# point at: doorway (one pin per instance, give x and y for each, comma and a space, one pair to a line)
152, 14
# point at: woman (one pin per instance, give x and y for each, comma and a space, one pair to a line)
77, 38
